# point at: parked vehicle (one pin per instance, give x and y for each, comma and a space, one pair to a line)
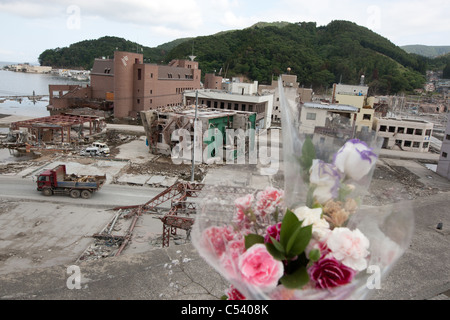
57, 181
97, 149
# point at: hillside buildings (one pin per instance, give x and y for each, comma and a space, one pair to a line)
26, 67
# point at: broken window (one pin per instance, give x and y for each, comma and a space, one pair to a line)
383, 128
419, 132
407, 144
391, 129
425, 144
400, 130
409, 130
416, 144
367, 117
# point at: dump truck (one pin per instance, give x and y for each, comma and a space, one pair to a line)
57, 181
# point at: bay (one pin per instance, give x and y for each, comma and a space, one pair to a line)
24, 84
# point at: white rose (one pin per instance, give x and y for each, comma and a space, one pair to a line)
313, 217
355, 159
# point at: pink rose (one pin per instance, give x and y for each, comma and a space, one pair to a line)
349, 247
330, 273
274, 232
268, 200
259, 269
217, 238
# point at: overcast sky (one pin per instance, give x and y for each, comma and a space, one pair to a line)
29, 27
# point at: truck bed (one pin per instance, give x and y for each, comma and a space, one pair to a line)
83, 182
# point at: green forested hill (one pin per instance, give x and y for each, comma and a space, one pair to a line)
427, 51
319, 56
82, 54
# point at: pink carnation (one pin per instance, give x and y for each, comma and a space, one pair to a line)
274, 232
268, 200
350, 247
234, 294
259, 269
217, 238
244, 203
229, 259
330, 273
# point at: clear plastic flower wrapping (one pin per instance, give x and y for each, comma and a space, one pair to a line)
237, 229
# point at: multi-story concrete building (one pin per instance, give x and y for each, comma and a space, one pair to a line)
404, 134
292, 91
443, 167
261, 104
356, 95
327, 119
171, 131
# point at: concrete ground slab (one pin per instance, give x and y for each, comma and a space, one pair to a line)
33, 238
134, 179
156, 180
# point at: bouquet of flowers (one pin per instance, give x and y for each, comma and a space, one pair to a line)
312, 240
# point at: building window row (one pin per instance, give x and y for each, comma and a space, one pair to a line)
186, 76
181, 90
413, 144
403, 130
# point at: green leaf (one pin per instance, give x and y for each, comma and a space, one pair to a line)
289, 224
278, 245
308, 154
295, 280
252, 239
299, 240
314, 255
277, 255
310, 196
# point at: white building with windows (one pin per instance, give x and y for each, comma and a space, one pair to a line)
404, 134
318, 117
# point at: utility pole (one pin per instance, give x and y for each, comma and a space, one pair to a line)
195, 127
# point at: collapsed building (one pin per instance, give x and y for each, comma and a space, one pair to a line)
171, 131
63, 128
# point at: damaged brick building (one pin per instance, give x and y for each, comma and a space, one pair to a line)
125, 86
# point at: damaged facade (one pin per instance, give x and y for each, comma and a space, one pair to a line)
404, 134
163, 138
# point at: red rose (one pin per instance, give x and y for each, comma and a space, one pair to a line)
330, 273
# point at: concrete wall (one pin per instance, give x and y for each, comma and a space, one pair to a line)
443, 167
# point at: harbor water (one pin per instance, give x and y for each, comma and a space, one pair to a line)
16, 98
